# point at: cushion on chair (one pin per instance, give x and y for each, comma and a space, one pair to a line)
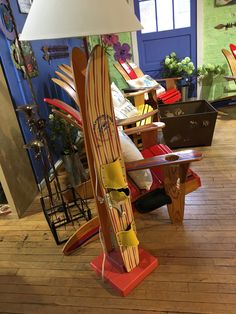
123, 108
146, 81
142, 178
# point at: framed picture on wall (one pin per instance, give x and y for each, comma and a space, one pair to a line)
221, 3
24, 5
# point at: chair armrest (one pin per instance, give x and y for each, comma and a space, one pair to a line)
175, 158
169, 79
124, 122
230, 78
133, 89
148, 133
145, 128
140, 91
170, 82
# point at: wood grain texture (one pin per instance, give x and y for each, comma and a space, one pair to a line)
105, 145
132, 120
66, 79
175, 158
79, 63
197, 261
231, 62
68, 89
66, 69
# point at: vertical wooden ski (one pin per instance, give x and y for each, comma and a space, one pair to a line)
108, 162
79, 66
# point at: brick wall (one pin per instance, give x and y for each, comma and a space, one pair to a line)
214, 40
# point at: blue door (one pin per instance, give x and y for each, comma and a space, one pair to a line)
169, 26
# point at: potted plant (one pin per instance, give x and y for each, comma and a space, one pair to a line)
66, 141
208, 71
173, 66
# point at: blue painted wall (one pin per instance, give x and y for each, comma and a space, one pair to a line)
42, 84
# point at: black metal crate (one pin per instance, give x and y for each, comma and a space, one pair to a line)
188, 124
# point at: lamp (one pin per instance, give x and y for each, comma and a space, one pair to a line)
78, 18
81, 18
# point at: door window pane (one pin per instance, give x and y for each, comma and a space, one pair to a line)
182, 13
147, 16
164, 15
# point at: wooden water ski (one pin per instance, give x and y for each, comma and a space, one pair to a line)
106, 150
85, 233
113, 268
79, 65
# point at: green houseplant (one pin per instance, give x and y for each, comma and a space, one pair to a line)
63, 135
209, 71
173, 66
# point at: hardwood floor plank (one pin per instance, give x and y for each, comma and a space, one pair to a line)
197, 260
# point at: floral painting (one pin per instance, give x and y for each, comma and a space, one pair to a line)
220, 3
121, 51
117, 47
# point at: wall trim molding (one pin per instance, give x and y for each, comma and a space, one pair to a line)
134, 39
200, 38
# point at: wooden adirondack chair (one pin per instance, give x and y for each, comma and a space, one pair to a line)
232, 65
65, 81
165, 171
130, 72
189, 180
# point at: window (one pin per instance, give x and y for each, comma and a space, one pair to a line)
163, 15
182, 13
148, 16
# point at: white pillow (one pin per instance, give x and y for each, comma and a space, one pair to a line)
142, 178
123, 108
146, 81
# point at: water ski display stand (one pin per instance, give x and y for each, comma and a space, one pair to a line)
119, 279
124, 262
125, 265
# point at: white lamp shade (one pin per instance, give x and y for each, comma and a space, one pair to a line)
50, 19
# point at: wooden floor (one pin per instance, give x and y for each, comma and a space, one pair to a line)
197, 261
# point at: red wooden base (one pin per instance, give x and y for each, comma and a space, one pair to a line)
122, 281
